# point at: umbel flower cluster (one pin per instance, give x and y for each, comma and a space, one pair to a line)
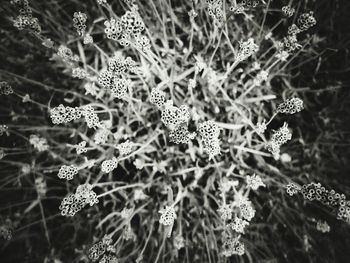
174, 118
128, 29
79, 22
25, 19
65, 114
304, 22
209, 132
103, 251
38, 143
291, 106
5, 88
279, 137
330, 198
236, 216
73, 203
215, 11
246, 49
114, 79
67, 172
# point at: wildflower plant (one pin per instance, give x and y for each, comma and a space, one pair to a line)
142, 99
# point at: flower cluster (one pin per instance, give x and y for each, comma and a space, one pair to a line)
157, 97
282, 55
25, 19
288, 11
139, 195
279, 137
64, 114
79, 73
80, 148
132, 23
73, 203
167, 216
344, 211
246, 209
119, 66
215, 11
121, 87
103, 251
129, 26
125, 148
261, 77
79, 22
306, 20
254, 182
225, 211
143, 43
113, 29
261, 127
292, 189
232, 246
109, 165
67, 172
209, 132
38, 143
293, 30
90, 116
250, 3
67, 55
113, 78
243, 5
173, 116
289, 44
323, 226
315, 191
88, 39
290, 106
5, 88
101, 135
239, 225
181, 135
246, 49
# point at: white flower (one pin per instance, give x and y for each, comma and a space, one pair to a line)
246, 49
225, 211
139, 194
38, 143
323, 226
88, 39
254, 182
239, 224
125, 148
261, 127
168, 216
246, 208
283, 55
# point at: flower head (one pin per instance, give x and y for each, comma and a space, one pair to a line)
254, 182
